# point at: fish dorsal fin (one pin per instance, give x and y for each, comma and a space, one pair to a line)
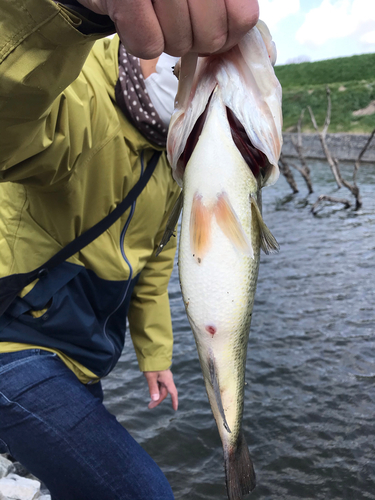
268, 242
231, 226
200, 228
171, 224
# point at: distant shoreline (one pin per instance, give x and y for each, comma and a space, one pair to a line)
345, 147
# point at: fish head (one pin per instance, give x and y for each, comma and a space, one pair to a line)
251, 94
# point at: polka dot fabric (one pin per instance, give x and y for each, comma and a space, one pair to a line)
133, 99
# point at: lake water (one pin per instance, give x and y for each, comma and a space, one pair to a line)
309, 416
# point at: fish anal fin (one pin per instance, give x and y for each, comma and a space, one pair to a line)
231, 226
268, 242
200, 228
239, 470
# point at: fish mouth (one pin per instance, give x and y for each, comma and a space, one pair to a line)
256, 160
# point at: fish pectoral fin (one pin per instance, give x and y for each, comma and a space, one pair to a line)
268, 242
216, 388
171, 224
231, 226
200, 228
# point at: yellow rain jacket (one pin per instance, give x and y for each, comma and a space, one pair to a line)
68, 156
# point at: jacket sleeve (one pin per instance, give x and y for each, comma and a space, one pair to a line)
90, 21
149, 314
42, 52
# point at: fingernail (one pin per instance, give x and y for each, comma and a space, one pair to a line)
154, 397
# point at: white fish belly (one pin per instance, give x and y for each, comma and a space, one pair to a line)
219, 291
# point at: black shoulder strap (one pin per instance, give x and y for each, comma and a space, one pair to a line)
91, 234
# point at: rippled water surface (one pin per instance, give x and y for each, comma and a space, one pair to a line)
309, 415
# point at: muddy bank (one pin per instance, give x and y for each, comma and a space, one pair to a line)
343, 146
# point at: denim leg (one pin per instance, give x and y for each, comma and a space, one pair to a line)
59, 429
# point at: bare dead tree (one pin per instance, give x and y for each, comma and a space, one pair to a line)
322, 136
333, 199
304, 170
285, 170
353, 187
334, 164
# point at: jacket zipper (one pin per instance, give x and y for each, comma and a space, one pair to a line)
122, 237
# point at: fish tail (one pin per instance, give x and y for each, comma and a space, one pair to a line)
239, 470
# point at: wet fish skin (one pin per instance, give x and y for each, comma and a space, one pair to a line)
218, 284
222, 230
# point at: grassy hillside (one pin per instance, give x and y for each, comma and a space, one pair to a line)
352, 84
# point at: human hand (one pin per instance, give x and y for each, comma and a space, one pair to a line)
149, 27
161, 384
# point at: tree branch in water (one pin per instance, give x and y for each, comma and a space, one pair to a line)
304, 170
285, 170
324, 197
322, 137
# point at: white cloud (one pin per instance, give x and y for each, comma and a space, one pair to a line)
369, 38
273, 11
335, 19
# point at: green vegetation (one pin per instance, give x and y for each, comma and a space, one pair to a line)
352, 84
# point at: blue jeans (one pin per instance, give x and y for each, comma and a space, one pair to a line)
59, 429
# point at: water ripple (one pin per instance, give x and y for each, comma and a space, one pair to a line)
310, 391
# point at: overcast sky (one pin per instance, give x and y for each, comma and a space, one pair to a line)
319, 29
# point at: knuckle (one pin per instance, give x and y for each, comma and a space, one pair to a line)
219, 41
143, 43
144, 50
240, 25
178, 49
212, 44
247, 20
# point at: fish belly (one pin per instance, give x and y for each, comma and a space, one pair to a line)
219, 294
218, 265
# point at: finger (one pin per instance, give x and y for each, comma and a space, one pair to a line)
174, 19
209, 22
153, 386
138, 28
174, 396
171, 387
242, 16
172, 390
162, 395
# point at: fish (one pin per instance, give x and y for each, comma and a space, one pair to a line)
224, 143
